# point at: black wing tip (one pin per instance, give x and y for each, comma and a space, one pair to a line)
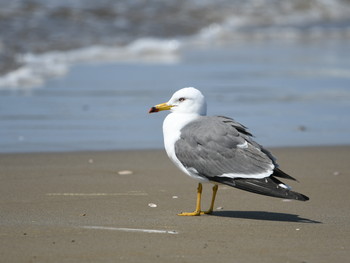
301, 197
279, 173
266, 186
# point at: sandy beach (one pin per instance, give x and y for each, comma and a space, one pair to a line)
122, 206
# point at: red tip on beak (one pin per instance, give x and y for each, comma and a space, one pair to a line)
152, 110
160, 107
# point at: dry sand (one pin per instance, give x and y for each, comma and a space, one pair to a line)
76, 207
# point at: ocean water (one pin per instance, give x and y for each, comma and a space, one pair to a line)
82, 76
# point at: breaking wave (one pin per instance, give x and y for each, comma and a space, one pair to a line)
52, 35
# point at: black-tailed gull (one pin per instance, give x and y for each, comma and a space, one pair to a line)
219, 150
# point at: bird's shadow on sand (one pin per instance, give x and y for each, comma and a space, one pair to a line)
262, 215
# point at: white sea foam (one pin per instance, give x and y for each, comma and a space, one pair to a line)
39, 67
289, 20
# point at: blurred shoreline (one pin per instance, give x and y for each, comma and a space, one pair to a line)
287, 95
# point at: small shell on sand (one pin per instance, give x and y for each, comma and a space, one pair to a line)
125, 172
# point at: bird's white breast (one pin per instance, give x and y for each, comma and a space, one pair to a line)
172, 126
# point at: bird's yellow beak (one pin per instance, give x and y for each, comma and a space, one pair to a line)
160, 107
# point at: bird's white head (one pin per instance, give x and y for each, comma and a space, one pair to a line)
187, 100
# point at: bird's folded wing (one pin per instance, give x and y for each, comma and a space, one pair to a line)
220, 147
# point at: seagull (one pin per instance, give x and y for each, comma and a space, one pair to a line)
218, 150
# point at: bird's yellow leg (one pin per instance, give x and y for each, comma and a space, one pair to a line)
210, 210
197, 212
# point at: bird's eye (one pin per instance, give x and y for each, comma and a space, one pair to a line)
182, 99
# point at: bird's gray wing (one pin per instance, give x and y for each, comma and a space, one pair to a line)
221, 147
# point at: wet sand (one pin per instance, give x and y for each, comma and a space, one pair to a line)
80, 207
